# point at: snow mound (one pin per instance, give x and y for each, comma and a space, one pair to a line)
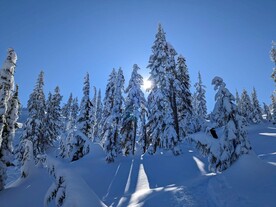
249, 182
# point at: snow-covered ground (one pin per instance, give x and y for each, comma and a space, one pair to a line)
159, 180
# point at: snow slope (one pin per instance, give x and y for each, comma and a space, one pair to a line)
159, 180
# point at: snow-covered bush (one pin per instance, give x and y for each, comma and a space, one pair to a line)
28, 159
57, 190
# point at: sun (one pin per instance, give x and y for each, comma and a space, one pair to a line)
147, 84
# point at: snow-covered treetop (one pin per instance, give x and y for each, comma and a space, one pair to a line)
86, 87
135, 97
7, 72
12, 55
136, 79
171, 49
273, 52
222, 91
160, 32
224, 105
183, 74
200, 100
182, 67
40, 80
158, 61
37, 97
217, 82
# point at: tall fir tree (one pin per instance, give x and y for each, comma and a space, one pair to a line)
163, 124
135, 110
273, 111
94, 113
84, 120
108, 104
74, 113
238, 101
8, 115
34, 128
79, 139
113, 140
246, 107
233, 142
11, 125
184, 100
257, 111
66, 110
6, 87
66, 142
194, 102
273, 59
98, 117
155, 119
53, 118
200, 108
112, 111
171, 89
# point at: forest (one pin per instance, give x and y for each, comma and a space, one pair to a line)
126, 122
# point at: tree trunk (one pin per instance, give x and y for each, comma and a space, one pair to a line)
134, 136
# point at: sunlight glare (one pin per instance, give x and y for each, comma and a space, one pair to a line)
147, 84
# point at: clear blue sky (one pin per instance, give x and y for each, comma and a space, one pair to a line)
66, 39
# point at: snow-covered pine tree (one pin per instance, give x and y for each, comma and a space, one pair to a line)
7, 117
94, 113
267, 112
238, 101
49, 131
194, 102
34, 128
162, 122
155, 119
80, 138
74, 113
273, 59
98, 117
184, 100
112, 134
257, 111
273, 111
171, 88
234, 142
53, 118
84, 120
66, 142
108, 104
9, 130
66, 110
200, 110
135, 109
246, 108
57, 113
6, 86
